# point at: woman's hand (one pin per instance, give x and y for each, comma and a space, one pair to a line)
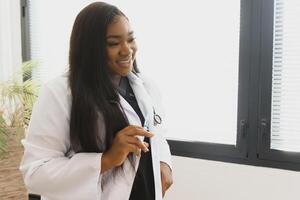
124, 143
166, 177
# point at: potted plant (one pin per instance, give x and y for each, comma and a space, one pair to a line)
17, 97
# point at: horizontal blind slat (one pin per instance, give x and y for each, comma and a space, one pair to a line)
285, 116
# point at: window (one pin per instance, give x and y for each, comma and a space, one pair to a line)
279, 111
232, 71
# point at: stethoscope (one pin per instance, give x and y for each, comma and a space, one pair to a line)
156, 120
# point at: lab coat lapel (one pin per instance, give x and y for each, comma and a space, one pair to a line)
146, 105
143, 101
142, 97
131, 114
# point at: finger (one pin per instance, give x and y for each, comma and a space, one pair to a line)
167, 185
134, 149
137, 131
136, 141
132, 127
146, 144
163, 191
129, 129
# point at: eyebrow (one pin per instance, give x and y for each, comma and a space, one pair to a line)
118, 36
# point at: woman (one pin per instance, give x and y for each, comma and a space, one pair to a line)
96, 132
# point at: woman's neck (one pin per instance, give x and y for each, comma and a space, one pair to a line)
115, 79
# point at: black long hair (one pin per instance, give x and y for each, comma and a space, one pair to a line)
93, 95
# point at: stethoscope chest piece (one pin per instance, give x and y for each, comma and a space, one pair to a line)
157, 119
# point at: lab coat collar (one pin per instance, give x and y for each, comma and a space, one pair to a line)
142, 96
136, 84
134, 78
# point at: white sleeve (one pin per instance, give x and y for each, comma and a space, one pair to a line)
46, 169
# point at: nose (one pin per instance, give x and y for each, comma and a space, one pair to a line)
125, 49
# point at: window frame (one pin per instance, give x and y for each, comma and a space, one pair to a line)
254, 95
24, 10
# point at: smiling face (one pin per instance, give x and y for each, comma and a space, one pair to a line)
121, 47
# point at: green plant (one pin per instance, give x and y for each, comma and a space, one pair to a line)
17, 97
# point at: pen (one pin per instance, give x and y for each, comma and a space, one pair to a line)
146, 128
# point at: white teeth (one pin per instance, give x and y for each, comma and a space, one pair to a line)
124, 61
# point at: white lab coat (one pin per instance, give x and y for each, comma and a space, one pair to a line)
49, 170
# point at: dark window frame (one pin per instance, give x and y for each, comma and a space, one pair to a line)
254, 95
25, 30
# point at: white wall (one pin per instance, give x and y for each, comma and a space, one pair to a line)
196, 179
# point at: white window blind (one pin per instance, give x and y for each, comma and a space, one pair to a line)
50, 25
10, 39
190, 48
285, 122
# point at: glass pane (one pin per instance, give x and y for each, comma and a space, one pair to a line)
193, 53
190, 49
285, 122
